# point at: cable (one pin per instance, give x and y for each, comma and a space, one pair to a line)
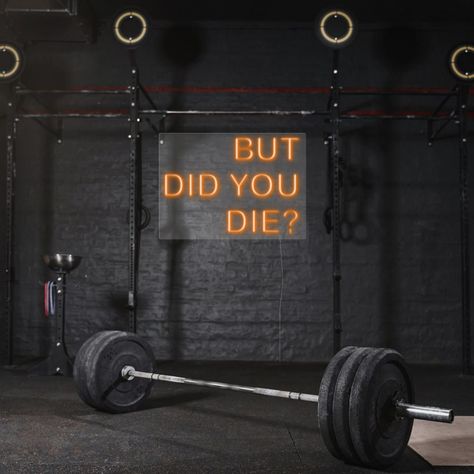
281, 301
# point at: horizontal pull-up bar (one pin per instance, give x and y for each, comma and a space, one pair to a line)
36, 115
169, 89
380, 115
349, 115
91, 91
232, 112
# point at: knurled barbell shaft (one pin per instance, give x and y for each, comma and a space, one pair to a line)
408, 410
129, 372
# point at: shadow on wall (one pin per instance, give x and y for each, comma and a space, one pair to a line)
358, 189
3, 320
41, 158
46, 230
398, 49
181, 45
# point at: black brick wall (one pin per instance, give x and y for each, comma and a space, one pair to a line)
221, 299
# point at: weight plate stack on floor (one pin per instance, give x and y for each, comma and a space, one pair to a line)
80, 365
341, 400
378, 435
98, 367
326, 395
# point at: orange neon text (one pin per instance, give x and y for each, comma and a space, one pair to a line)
269, 149
205, 185
263, 222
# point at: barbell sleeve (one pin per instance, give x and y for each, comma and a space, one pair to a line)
408, 410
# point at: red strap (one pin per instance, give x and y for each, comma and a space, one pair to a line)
46, 299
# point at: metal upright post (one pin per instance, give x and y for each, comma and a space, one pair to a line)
9, 221
60, 358
134, 137
334, 117
462, 99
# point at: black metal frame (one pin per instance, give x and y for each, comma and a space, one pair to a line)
461, 109
58, 361
11, 130
334, 116
133, 198
335, 172
14, 115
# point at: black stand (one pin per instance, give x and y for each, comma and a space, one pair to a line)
58, 361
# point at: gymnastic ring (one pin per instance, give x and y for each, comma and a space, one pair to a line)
128, 39
17, 60
331, 39
454, 66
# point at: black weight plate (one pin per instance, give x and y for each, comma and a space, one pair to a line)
326, 394
340, 404
81, 365
108, 390
78, 370
378, 435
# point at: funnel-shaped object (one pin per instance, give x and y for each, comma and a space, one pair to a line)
62, 262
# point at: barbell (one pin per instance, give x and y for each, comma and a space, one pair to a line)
365, 402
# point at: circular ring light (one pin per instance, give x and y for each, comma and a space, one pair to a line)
11, 61
335, 28
458, 62
130, 28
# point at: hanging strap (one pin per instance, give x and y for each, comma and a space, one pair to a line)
46, 298
52, 298
49, 293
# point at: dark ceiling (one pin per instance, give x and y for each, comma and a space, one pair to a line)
78, 19
399, 11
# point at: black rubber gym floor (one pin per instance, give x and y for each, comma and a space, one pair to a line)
44, 426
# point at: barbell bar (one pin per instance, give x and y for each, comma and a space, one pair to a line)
409, 410
365, 405
129, 373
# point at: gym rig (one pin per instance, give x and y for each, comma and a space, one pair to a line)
336, 29
366, 401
